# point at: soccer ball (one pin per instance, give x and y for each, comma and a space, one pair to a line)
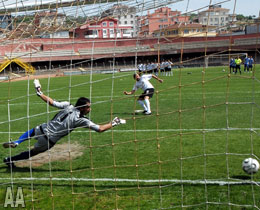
250, 165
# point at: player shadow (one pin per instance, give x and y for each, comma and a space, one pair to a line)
136, 112
242, 177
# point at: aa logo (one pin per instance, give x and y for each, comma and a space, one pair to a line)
14, 201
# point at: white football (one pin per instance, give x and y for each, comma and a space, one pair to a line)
250, 165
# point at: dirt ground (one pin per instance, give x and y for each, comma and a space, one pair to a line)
59, 152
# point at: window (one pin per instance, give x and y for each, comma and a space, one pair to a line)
90, 32
126, 31
175, 31
132, 22
163, 20
104, 23
125, 22
111, 23
104, 32
186, 31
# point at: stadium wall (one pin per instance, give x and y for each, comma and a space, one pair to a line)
40, 50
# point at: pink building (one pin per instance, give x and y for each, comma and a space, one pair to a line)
160, 19
105, 28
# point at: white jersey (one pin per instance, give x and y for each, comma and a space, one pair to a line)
154, 66
143, 83
149, 67
65, 121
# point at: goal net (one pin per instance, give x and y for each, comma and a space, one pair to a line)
187, 154
223, 59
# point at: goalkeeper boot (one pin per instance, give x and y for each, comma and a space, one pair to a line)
9, 163
10, 144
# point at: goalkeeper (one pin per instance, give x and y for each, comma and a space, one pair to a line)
65, 121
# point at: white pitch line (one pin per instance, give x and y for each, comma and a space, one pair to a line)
162, 130
173, 181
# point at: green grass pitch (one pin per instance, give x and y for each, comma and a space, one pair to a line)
185, 139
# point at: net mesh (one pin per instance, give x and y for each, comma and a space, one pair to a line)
187, 154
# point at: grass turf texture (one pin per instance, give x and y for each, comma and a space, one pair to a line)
169, 144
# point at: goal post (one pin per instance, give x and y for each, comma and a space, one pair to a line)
222, 59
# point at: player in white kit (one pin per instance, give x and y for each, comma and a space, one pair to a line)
144, 83
64, 122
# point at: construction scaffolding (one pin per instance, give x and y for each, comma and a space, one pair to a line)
26, 66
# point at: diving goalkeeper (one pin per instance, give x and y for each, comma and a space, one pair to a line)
65, 121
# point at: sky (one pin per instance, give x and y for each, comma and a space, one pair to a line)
245, 7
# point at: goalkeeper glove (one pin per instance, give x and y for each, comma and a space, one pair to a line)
117, 121
37, 86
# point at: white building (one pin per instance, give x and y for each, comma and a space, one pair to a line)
126, 16
48, 19
56, 34
218, 17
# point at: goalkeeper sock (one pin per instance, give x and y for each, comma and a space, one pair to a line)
142, 104
25, 136
147, 102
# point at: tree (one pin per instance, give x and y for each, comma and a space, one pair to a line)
240, 17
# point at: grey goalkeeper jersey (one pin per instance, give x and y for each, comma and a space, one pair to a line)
66, 121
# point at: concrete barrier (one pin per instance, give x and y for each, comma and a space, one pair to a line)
4, 78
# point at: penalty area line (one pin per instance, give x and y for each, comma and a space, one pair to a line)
172, 181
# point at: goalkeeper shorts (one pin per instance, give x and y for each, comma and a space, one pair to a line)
43, 143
